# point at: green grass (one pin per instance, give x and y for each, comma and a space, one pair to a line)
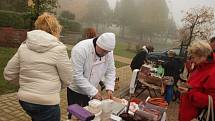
5, 55
121, 50
120, 64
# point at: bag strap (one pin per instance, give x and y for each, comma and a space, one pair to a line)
211, 107
205, 114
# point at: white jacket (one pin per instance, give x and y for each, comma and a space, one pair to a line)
41, 65
83, 57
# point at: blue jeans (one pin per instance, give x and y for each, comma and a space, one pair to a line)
169, 93
41, 112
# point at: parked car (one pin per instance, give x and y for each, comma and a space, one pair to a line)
163, 55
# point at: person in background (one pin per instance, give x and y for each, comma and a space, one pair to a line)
92, 60
171, 65
89, 33
42, 67
200, 83
171, 69
141, 57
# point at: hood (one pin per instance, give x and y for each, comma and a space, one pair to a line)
41, 41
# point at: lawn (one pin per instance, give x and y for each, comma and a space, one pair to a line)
121, 50
5, 55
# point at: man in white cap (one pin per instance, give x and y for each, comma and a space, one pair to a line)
92, 61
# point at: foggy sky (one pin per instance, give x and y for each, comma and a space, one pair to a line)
112, 3
178, 6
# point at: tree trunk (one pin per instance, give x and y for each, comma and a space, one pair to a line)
141, 36
122, 31
37, 8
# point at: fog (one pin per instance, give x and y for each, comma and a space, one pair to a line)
139, 21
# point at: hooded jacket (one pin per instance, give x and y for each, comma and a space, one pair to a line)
83, 56
139, 59
41, 66
202, 81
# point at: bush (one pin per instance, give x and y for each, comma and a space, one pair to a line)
68, 15
14, 19
70, 25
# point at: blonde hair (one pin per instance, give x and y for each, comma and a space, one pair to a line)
200, 48
49, 23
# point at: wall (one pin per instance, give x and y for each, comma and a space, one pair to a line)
10, 37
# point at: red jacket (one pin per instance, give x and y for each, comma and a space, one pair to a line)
202, 81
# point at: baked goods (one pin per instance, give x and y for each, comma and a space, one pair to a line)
95, 106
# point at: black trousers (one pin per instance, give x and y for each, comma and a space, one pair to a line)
76, 98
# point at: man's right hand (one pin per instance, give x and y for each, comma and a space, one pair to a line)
98, 96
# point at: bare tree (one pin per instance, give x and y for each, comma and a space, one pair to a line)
197, 24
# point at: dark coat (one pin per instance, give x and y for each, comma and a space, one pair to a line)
171, 68
138, 60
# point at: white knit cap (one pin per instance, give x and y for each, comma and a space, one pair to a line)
106, 41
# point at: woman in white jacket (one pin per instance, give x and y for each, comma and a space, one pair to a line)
41, 67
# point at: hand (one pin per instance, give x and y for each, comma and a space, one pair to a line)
182, 89
109, 94
98, 96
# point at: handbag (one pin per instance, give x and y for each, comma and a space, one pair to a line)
208, 113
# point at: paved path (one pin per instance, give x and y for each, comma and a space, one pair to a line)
122, 59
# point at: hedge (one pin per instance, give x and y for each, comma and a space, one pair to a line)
14, 19
70, 25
